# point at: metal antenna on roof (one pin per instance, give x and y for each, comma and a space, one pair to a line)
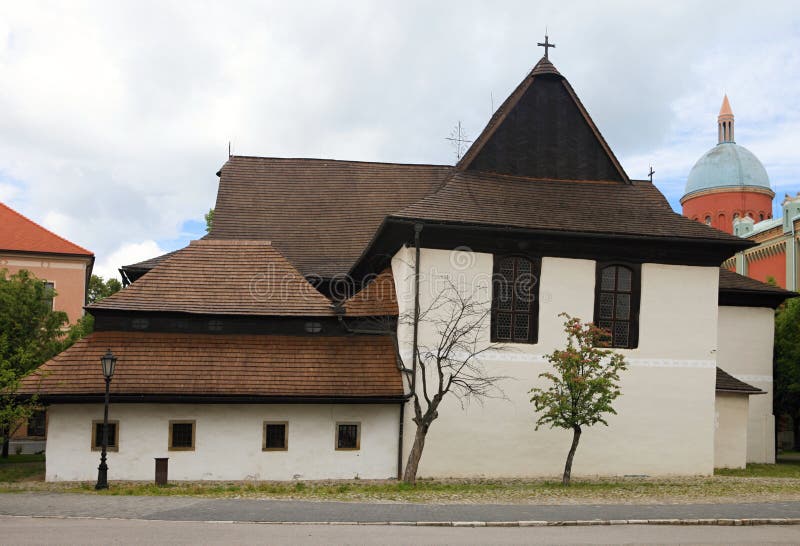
651, 173
229, 149
458, 138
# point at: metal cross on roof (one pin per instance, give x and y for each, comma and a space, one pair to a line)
651, 173
546, 45
459, 139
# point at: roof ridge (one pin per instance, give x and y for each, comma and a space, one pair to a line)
38, 225
352, 161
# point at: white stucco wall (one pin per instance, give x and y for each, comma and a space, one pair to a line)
730, 434
228, 442
745, 339
665, 421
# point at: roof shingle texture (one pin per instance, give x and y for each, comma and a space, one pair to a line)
229, 365
634, 209
222, 277
377, 298
731, 281
21, 234
727, 383
319, 213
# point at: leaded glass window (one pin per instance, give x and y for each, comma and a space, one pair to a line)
616, 306
515, 306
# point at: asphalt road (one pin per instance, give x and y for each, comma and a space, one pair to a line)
28, 531
262, 510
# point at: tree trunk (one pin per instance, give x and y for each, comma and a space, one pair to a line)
410, 474
6, 433
796, 430
576, 436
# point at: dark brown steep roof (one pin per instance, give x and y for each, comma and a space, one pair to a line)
222, 277
727, 383
319, 213
563, 205
543, 131
186, 365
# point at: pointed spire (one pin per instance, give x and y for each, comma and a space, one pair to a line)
544, 66
725, 121
725, 110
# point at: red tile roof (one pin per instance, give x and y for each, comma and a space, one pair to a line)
222, 277
151, 363
21, 234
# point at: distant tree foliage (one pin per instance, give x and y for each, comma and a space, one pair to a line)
583, 384
100, 288
787, 365
209, 220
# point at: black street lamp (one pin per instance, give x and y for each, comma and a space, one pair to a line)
109, 362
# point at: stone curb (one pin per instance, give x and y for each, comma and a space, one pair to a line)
532, 523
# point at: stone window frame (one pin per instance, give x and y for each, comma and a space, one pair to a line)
96, 439
336, 436
285, 436
192, 422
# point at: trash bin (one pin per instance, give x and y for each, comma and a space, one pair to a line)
161, 470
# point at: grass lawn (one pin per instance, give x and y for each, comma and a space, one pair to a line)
18, 468
780, 482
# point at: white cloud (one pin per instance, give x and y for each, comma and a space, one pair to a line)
128, 253
115, 116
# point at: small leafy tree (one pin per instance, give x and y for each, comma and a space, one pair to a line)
583, 384
100, 288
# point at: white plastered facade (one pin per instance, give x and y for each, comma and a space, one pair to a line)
665, 420
228, 442
745, 351
730, 430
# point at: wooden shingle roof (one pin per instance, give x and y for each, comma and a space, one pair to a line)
319, 213
727, 383
208, 365
377, 298
738, 290
222, 277
638, 208
21, 234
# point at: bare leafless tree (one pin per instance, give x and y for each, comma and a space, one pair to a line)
456, 336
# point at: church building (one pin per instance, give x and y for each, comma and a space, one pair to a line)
253, 353
728, 188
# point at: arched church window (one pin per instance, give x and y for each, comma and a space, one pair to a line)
515, 299
760, 216
735, 215
708, 220
616, 305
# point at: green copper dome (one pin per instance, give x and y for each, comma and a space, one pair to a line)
727, 165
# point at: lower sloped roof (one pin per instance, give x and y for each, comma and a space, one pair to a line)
727, 383
197, 365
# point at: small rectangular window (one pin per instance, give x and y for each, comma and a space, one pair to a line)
49, 294
36, 423
181, 435
276, 437
113, 435
348, 436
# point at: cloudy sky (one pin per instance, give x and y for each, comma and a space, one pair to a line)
114, 116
